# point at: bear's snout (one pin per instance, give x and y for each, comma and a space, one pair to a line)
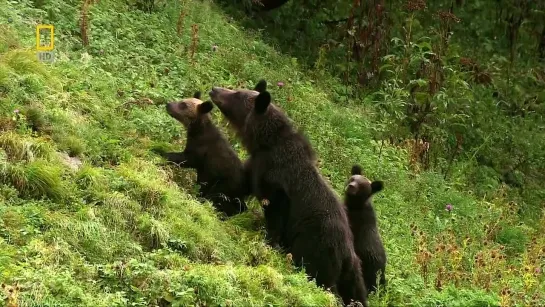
170, 107
352, 187
215, 93
219, 94
212, 93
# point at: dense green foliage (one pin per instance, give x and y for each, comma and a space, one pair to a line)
467, 78
89, 216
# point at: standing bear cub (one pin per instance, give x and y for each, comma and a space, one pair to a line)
315, 225
363, 223
220, 172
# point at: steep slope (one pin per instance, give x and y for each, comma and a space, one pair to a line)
90, 217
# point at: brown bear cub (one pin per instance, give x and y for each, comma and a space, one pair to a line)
363, 223
316, 228
220, 172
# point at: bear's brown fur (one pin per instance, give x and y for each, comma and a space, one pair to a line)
235, 105
363, 223
220, 173
316, 228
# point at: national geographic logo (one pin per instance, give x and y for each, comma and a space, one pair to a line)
45, 43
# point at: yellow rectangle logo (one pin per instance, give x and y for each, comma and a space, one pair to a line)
45, 46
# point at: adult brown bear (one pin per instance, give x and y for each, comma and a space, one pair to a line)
235, 106
316, 228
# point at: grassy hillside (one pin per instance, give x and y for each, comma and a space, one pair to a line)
89, 216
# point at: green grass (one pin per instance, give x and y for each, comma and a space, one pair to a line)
89, 216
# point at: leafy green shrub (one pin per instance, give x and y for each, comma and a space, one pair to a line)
514, 239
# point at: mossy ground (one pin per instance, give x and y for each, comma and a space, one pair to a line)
89, 216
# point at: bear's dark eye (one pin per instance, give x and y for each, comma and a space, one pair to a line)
183, 106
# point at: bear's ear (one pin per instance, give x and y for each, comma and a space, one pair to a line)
197, 95
205, 107
356, 170
262, 101
377, 186
261, 86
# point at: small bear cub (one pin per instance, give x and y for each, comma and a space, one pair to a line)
363, 223
220, 172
